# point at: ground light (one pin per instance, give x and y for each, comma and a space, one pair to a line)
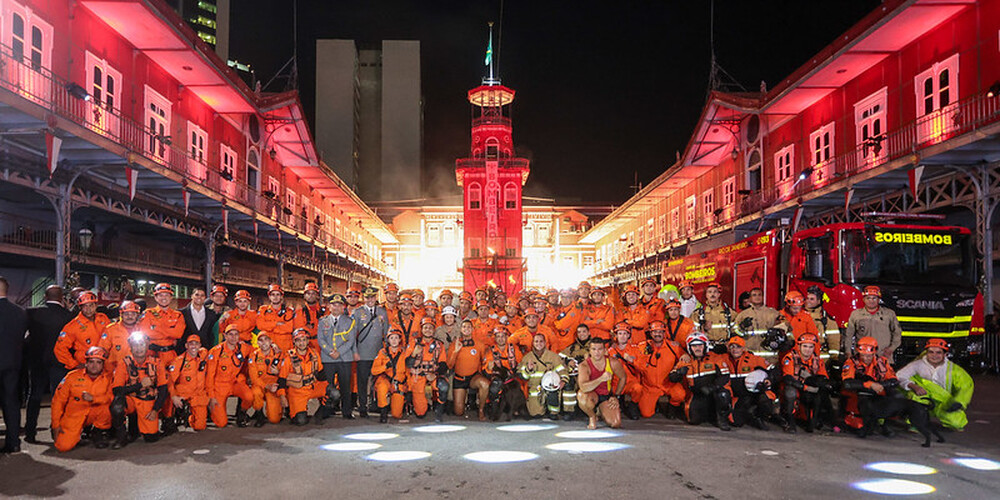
588, 434
397, 456
437, 429
977, 463
350, 446
371, 436
526, 427
894, 487
500, 456
586, 446
905, 468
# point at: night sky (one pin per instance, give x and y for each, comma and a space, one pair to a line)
605, 89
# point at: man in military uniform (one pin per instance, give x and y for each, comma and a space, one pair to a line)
754, 321
714, 318
338, 345
874, 321
372, 323
533, 367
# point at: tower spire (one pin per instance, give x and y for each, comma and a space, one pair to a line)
492, 77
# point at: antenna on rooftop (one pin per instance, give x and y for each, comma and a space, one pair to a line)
719, 78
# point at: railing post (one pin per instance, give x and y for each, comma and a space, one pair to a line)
63, 210
210, 260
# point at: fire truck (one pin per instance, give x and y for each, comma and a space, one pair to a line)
926, 273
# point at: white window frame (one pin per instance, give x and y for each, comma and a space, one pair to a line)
690, 213
867, 113
434, 234
252, 151
729, 192
105, 105
290, 199
227, 160
675, 223
510, 196
31, 22
821, 145
784, 164
475, 196
931, 123
157, 118
708, 204
197, 152
544, 234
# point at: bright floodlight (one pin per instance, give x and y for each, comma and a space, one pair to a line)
977, 463
435, 429
397, 456
349, 446
586, 446
588, 434
526, 427
500, 457
901, 468
371, 436
894, 487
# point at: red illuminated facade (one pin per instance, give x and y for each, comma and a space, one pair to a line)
491, 179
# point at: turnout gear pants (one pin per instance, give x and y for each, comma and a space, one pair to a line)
298, 397
942, 399
222, 392
389, 396
269, 402
701, 408
650, 396
73, 422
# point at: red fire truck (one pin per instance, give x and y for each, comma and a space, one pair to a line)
926, 273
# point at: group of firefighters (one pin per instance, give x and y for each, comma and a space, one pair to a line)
571, 352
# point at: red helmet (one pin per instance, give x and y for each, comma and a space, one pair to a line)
807, 338
405, 297
465, 296
219, 289
736, 340
242, 294
694, 339
86, 297
713, 284
673, 303
129, 306
299, 333
872, 290
622, 326
431, 303
446, 292
584, 284
531, 311
394, 331
938, 343
867, 345
631, 288
648, 280
274, 287
501, 328
163, 288
657, 325
311, 287
355, 289
392, 287
794, 298
97, 352
192, 337
427, 320
551, 291
482, 303
684, 284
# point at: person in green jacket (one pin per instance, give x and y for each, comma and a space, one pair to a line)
933, 376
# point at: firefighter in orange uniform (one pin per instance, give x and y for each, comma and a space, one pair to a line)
483, 325
545, 315
465, 359
162, 325
186, 383
277, 318
309, 313
754, 400
706, 377
265, 365
353, 298
427, 361
676, 325
794, 318
522, 337
404, 319
140, 389
83, 399
501, 356
634, 313
300, 375
870, 383
244, 318
431, 310
227, 377
510, 317
655, 306
391, 376
600, 317
629, 355
391, 299
659, 356
81, 333
805, 380
116, 336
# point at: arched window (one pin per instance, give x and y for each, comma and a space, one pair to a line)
510, 196
253, 169
475, 196
492, 148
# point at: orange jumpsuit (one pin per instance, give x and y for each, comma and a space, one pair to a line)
508, 357
409, 326
308, 317
523, 337
264, 370
115, 341
879, 371
187, 381
548, 319
638, 318
514, 323
246, 322
467, 361
800, 323
740, 367
129, 374
678, 329
630, 356
279, 322
164, 327
656, 308
427, 357
568, 319
601, 319
482, 330
226, 378
390, 379
654, 366
71, 413
298, 376
77, 336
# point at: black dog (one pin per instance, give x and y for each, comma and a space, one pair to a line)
505, 397
899, 406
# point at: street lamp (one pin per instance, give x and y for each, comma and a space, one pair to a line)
86, 238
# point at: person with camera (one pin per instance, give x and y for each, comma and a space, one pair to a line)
805, 382
602, 381
302, 376
427, 360
265, 365
186, 383
535, 365
705, 376
140, 390
82, 399
226, 376
391, 376
754, 398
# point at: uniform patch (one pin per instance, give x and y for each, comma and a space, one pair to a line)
472, 351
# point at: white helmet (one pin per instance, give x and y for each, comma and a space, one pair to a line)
550, 381
753, 378
449, 310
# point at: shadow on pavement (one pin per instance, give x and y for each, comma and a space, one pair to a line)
23, 475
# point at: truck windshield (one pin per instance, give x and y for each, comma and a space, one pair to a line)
885, 255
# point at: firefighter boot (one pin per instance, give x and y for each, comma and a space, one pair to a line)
242, 419
300, 418
259, 418
168, 426
632, 410
438, 412
383, 414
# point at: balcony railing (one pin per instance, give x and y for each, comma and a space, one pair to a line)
481, 163
59, 96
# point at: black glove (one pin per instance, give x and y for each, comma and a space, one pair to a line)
956, 406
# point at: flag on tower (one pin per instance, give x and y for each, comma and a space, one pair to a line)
489, 48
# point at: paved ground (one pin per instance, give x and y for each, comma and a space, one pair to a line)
653, 458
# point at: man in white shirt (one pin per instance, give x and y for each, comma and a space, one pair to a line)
936, 377
198, 319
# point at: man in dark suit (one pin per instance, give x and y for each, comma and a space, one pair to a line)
198, 319
44, 371
13, 324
